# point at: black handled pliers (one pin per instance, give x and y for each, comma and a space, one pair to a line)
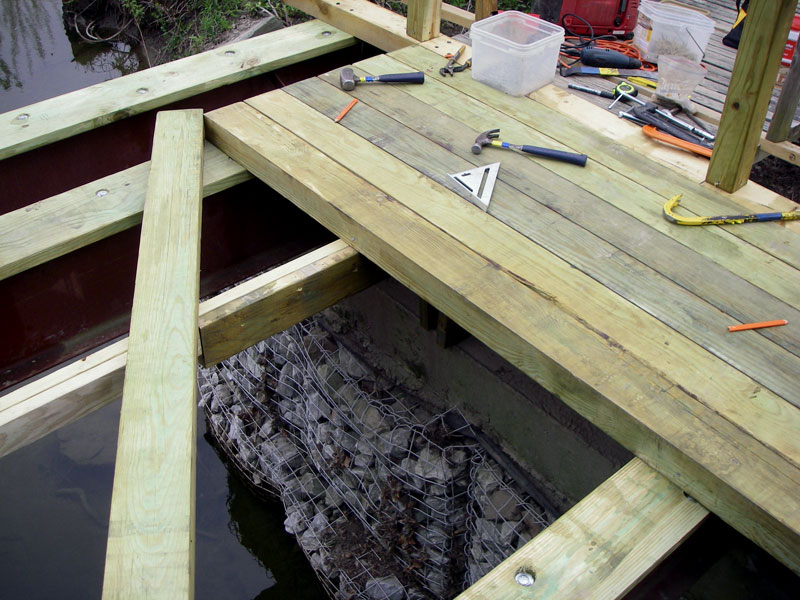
451, 66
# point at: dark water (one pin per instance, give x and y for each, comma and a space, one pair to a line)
55, 494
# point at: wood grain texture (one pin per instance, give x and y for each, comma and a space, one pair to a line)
55, 226
601, 547
424, 19
453, 14
150, 551
491, 291
67, 115
266, 304
749, 93
374, 24
285, 295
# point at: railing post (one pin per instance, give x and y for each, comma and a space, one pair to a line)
484, 8
752, 81
424, 19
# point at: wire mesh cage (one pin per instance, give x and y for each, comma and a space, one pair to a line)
386, 499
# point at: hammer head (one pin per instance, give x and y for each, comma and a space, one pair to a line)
347, 79
484, 139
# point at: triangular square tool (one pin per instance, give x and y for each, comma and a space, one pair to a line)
479, 182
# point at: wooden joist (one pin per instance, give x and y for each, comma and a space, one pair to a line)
55, 226
601, 547
150, 552
424, 19
229, 323
67, 115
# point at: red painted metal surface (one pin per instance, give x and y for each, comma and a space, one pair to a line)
68, 306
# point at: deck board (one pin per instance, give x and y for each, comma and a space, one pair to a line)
573, 274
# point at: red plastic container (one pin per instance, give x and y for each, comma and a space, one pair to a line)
791, 43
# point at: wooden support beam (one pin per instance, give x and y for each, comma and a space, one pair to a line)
150, 551
276, 300
749, 92
301, 287
780, 127
67, 115
601, 547
424, 19
55, 226
453, 14
375, 25
484, 8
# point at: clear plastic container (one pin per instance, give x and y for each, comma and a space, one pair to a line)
672, 30
677, 78
514, 52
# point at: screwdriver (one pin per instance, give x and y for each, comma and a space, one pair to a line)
621, 88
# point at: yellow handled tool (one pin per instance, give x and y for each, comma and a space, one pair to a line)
724, 220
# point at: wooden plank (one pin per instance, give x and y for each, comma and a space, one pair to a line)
453, 14
494, 298
602, 546
639, 280
781, 124
484, 8
55, 226
752, 81
150, 549
785, 150
67, 115
424, 19
302, 287
594, 303
273, 302
375, 25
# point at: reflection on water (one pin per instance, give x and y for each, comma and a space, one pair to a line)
38, 61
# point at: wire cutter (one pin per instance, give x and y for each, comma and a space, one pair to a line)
451, 66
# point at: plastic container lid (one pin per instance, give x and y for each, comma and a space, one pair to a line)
515, 30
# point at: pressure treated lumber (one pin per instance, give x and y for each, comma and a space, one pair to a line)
285, 295
58, 225
780, 127
491, 293
150, 551
601, 547
749, 92
424, 19
375, 25
583, 246
67, 115
302, 287
453, 14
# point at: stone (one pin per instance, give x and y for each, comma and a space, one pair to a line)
319, 523
283, 452
310, 541
432, 466
332, 497
286, 381
307, 486
350, 365
501, 504
384, 588
317, 407
295, 523
489, 476
508, 532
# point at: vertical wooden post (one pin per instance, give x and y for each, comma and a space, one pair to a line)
763, 38
484, 8
150, 551
424, 19
781, 125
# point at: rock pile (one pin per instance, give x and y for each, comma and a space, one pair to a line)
386, 499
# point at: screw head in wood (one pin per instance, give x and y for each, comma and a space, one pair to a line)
525, 577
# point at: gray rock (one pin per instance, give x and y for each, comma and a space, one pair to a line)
283, 452
317, 407
396, 442
295, 523
432, 466
286, 381
310, 541
350, 365
319, 523
384, 588
501, 505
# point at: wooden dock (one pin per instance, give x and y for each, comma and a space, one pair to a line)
572, 274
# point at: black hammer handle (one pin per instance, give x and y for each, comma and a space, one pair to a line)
418, 77
567, 157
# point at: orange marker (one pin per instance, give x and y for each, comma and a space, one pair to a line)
346, 109
745, 326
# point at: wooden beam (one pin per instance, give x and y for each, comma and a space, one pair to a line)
150, 551
453, 14
285, 295
780, 127
67, 115
55, 226
601, 547
749, 92
302, 287
424, 19
375, 25
484, 8
784, 150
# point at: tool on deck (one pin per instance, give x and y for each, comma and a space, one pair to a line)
451, 66
345, 110
479, 182
621, 88
724, 220
488, 138
348, 80
579, 70
606, 57
651, 131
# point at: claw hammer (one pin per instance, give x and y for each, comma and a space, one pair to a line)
488, 138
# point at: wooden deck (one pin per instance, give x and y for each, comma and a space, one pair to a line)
573, 275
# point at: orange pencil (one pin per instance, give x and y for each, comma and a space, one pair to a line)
345, 110
745, 326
